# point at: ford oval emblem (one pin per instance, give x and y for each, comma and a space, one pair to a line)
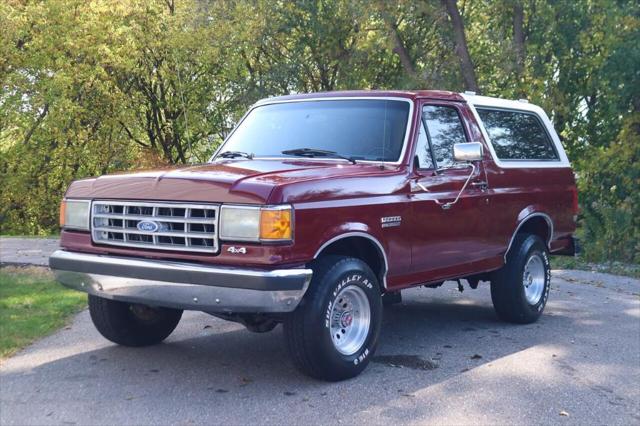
148, 226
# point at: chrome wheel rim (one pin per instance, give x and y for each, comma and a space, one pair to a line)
533, 279
350, 320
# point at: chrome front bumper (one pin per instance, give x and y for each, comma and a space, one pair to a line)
181, 285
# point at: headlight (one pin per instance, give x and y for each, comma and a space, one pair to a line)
74, 214
240, 223
245, 223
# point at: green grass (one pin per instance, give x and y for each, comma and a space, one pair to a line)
32, 305
616, 268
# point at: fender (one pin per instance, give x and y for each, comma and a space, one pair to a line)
364, 235
528, 215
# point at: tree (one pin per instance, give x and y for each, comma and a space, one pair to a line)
94, 87
466, 64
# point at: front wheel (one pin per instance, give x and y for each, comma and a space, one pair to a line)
333, 333
520, 289
130, 324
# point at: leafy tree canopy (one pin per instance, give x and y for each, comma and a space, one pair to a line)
91, 87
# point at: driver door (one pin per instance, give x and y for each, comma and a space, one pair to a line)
451, 241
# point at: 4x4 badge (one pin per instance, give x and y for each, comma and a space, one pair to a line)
237, 250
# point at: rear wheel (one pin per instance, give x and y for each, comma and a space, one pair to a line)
334, 331
520, 289
130, 324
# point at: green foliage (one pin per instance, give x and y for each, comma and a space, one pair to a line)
611, 267
32, 305
610, 200
94, 87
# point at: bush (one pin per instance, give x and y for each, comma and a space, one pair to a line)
608, 182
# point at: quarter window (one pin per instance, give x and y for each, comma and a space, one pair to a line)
423, 150
517, 135
444, 130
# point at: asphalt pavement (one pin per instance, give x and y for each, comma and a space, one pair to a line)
27, 251
443, 358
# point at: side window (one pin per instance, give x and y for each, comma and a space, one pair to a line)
517, 135
423, 151
445, 130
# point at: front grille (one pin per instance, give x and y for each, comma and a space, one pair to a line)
164, 226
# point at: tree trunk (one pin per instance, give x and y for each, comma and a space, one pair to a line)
466, 65
518, 42
400, 50
36, 124
399, 47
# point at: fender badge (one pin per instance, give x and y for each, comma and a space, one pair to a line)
389, 221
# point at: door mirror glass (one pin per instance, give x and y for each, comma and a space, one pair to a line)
469, 151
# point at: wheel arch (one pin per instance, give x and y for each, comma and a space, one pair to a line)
362, 245
537, 223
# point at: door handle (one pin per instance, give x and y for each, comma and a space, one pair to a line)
480, 184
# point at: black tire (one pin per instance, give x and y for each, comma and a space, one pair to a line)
508, 284
132, 325
307, 330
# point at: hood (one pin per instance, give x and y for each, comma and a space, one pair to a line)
245, 181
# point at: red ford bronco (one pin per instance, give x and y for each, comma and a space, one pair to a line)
316, 210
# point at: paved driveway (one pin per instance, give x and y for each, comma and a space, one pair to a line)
443, 358
32, 251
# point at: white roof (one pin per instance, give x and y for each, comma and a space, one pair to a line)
489, 101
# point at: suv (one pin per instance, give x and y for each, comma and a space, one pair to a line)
318, 209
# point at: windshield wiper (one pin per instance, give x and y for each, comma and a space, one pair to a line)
311, 153
234, 154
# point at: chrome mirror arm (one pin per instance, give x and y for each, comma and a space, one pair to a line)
424, 188
447, 206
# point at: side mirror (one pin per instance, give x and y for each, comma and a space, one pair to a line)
470, 151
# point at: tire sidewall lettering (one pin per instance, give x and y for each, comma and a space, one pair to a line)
547, 281
357, 360
538, 307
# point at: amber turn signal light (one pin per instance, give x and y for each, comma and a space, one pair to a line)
275, 224
63, 209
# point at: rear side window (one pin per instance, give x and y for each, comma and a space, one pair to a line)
517, 135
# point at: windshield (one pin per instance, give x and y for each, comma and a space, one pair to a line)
362, 129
